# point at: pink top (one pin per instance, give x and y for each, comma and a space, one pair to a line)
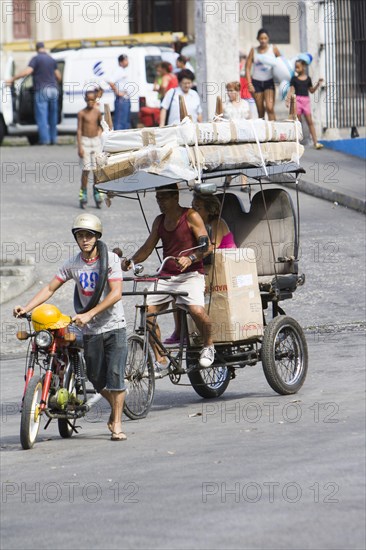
228, 241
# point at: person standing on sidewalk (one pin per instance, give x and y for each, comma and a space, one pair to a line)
122, 103
89, 144
46, 93
104, 325
301, 85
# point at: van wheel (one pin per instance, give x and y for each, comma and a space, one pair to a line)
33, 139
2, 130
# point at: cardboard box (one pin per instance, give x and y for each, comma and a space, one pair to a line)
234, 303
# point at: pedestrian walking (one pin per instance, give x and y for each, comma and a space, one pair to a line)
104, 325
170, 113
260, 82
45, 74
165, 79
122, 104
89, 145
301, 85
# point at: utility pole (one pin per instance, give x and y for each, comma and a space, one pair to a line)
217, 49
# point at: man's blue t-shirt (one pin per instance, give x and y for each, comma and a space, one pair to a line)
44, 67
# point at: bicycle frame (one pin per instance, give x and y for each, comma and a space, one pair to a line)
148, 321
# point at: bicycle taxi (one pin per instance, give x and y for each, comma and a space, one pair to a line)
245, 286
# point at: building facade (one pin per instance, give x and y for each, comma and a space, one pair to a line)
333, 31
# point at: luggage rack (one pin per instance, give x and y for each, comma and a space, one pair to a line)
144, 182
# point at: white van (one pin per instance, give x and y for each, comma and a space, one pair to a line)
80, 69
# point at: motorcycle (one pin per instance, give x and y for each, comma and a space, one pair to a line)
58, 390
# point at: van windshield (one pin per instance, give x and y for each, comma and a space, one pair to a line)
150, 64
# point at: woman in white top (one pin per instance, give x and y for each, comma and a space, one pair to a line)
260, 82
169, 112
236, 107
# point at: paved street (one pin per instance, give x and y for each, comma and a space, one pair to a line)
249, 470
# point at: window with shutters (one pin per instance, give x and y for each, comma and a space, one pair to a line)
21, 19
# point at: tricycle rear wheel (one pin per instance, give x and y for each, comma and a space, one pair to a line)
284, 355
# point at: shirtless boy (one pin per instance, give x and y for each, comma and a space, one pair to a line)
89, 144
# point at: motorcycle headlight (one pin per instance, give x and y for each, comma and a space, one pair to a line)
43, 339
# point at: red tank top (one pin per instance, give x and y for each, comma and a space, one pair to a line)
175, 241
173, 82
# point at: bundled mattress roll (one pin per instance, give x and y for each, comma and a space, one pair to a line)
204, 133
184, 163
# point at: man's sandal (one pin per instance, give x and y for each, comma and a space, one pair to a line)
118, 436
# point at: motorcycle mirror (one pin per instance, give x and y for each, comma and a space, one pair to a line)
23, 335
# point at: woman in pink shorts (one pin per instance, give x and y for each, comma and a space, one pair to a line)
301, 85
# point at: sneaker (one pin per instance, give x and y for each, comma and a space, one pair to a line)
160, 370
83, 198
319, 146
98, 199
207, 356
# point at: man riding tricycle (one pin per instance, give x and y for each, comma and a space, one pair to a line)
234, 291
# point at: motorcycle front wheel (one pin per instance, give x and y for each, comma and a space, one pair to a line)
65, 426
31, 413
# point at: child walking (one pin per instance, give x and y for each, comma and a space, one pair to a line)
301, 85
89, 144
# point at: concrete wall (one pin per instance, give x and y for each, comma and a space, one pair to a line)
217, 49
249, 14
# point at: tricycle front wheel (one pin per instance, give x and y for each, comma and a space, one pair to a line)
209, 382
284, 355
139, 378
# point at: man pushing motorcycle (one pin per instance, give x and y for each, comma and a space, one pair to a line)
100, 315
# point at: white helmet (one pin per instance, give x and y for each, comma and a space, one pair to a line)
87, 222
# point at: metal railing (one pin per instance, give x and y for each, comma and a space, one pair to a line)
345, 53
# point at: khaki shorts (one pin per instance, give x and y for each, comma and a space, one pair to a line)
193, 283
92, 147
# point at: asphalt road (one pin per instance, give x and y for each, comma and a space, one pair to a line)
249, 470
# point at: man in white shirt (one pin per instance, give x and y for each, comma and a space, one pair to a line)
122, 103
169, 113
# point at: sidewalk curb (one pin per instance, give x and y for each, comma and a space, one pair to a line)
328, 194
15, 280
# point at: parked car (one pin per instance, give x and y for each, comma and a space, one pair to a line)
80, 68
